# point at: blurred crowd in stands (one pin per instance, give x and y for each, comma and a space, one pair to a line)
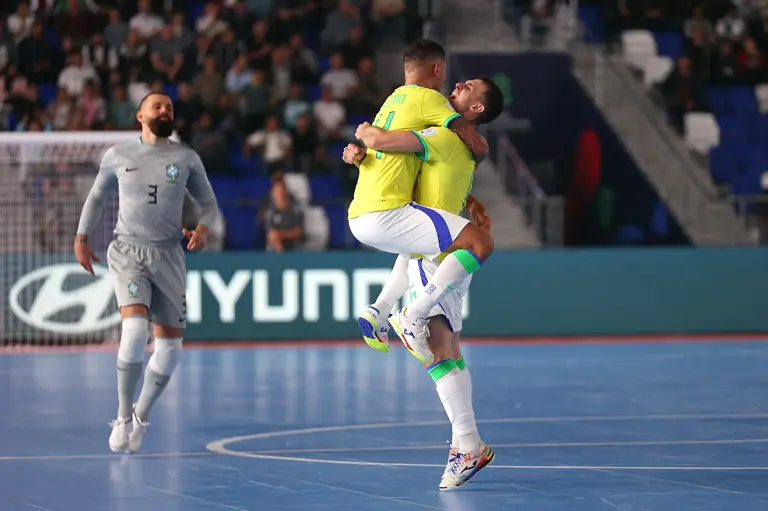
261, 87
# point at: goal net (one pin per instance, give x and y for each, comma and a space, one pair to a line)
47, 298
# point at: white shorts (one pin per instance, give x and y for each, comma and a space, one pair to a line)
409, 229
452, 304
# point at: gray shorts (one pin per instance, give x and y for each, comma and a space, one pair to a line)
151, 276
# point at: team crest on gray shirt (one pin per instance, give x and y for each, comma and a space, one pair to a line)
172, 170
133, 289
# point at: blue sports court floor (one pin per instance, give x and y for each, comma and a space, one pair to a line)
630, 426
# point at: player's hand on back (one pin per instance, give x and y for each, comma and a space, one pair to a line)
197, 238
362, 129
84, 254
353, 154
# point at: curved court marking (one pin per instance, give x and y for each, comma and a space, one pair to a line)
220, 446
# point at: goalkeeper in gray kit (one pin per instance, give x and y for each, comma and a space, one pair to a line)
146, 260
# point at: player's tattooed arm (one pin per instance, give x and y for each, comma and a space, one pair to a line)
469, 135
478, 213
383, 140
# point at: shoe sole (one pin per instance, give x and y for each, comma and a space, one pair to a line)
399, 332
484, 463
369, 336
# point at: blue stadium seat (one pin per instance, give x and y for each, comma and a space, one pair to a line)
629, 235
733, 131
718, 100
323, 64
241, 228
254, 187
172, 90
759, 130
325, 188
46, 92
225, 187
337, 220
242, 165
592, 17
669, 44
357, 119
312, 93
743, 101
722, 163
53, 38
660, 221
753, 161
193, 11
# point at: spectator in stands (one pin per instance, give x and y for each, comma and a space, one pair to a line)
304, 142
133, 52
751, 61
330, 116
281, 73
273, 143
100, 55
208, 84
226, 49
699, 50
284, 221
301, 61
256, 98
295, 106
35, 56
145, 23
166, 55
92, 106
75, 23
369, 94
260, 46
60, 111
20, 23
338, 23
683, 92
116, 32
731, 26
121, 114
238, 18
210, 143
239, 75
137, 87
227, 119
698, 22
725, 65
210, 24
342, 81
74, 76
186, 111
356, 48
181, 32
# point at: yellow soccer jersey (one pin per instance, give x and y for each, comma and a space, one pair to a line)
446, 173
387, 179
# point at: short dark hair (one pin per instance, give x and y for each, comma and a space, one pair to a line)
422, 51
493, 101
141, 103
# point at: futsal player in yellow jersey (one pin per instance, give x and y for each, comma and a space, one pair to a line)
444, 184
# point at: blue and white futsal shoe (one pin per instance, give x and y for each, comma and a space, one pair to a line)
375, 335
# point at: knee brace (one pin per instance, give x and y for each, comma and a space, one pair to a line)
133, 339
167, 355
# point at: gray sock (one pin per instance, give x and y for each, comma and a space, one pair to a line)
128, 375
154, 384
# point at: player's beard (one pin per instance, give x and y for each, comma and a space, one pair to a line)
161, 126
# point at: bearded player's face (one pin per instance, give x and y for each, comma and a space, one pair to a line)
157, 114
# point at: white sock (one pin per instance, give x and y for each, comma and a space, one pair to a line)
130, 361
457, 401
467, 381
451, 272
395, 287
160, 367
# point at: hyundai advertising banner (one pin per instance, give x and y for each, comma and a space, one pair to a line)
303, 295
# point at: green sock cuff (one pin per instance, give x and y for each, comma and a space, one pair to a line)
440, 369
468, 260
460, 364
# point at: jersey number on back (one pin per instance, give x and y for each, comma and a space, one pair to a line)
152, 194
386, 126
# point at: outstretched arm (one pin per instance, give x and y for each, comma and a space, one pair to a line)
382, 140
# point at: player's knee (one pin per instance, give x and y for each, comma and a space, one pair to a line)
133, 339
167, 355
480, 243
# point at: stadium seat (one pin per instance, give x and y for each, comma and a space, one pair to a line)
339, 228
255, 187
241, 228
323, 64
629, 235
298, 186
660, 221
637, 46
656, 69
733, 131
669, 44
46, 92
325, 188
753, 161
592, 18
723, 164
241, 165
225, 187
316, 229
701, 131
312, 93
718, 100
172, 90
357, 119
743, 101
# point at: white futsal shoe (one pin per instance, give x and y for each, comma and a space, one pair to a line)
463, 466
414, 334
118, 439
137, 434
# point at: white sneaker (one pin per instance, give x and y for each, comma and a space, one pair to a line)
118, 439
414, 334
137, 434
375, 334
463, 466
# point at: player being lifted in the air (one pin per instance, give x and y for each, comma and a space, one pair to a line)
146, 259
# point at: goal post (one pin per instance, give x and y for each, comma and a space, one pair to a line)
46, 297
